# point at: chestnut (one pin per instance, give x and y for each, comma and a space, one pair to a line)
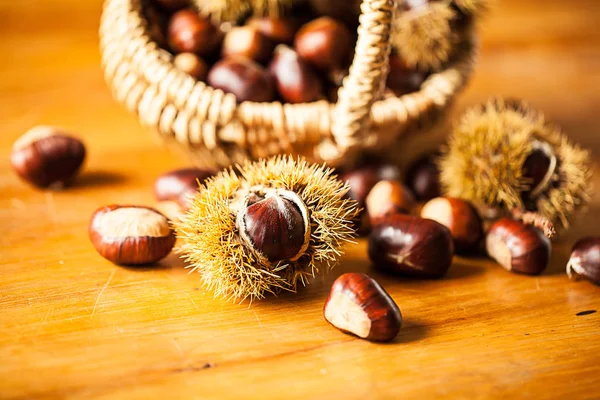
362, 179
45, 156
357, 304
172, 5
276, 225
518, 247
324, 43
423, 178
277, 30
189, 32
585, 260
460, 217
296, 82
402, 79
247, 41
411, 246
191, 64
388, 197
175, 185
131, 235
244, 78
535, 168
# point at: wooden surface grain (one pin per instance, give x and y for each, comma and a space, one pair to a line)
74, 326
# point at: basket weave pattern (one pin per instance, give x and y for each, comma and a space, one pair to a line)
219, 132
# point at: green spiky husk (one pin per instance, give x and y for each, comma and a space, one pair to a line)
484, 162
233, 10
232, 269
424, 37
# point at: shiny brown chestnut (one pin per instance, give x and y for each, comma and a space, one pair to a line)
518, 247
423, 178
324, 43
388, 197
277, 30
585, 260
296, 82
131, 235
357, 304
191, 64
460, 217
276, 225
402, 79
244, 78
173, 185
362, 179
411, 246
45, 156
189, 32
248, 42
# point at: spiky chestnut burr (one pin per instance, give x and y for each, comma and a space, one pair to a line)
234, 10
489, 160
423, 34
266, 226
472, 7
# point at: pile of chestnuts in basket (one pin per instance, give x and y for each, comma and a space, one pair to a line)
297, 57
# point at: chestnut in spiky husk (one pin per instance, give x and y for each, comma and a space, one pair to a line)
267, 227
423, 34
494, 158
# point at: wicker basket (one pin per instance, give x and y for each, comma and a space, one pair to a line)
218, 132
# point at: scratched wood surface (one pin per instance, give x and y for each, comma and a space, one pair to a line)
74, 326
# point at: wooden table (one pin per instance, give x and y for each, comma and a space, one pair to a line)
73, 325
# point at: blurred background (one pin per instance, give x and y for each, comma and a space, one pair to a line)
546, 51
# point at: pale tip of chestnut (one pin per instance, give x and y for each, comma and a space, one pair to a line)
47, 157
191, 64
584, 261
131, 235
460, 217
518, 247
357, 304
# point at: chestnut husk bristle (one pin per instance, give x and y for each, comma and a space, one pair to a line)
232, 269
472, 7
484, 159
424, 37
233, 10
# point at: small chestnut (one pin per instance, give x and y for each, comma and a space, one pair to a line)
45, 156
244, 78
131, 235
460, 217
189, 32
296, 82
247, 41
191, 64
518, 247
362, 179
324, 43
276, 225
388, 197
585, 260
423, 178
402, 79
278, 30
411, 246
359, 305
174, 185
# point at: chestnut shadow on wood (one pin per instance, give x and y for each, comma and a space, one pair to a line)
170, 263
91, 179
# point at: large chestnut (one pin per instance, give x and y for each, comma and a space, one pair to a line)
189, 32
460, 217
296, 82
278, 30
324, 43
518, 247
244, 78
411, 246
247, 41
